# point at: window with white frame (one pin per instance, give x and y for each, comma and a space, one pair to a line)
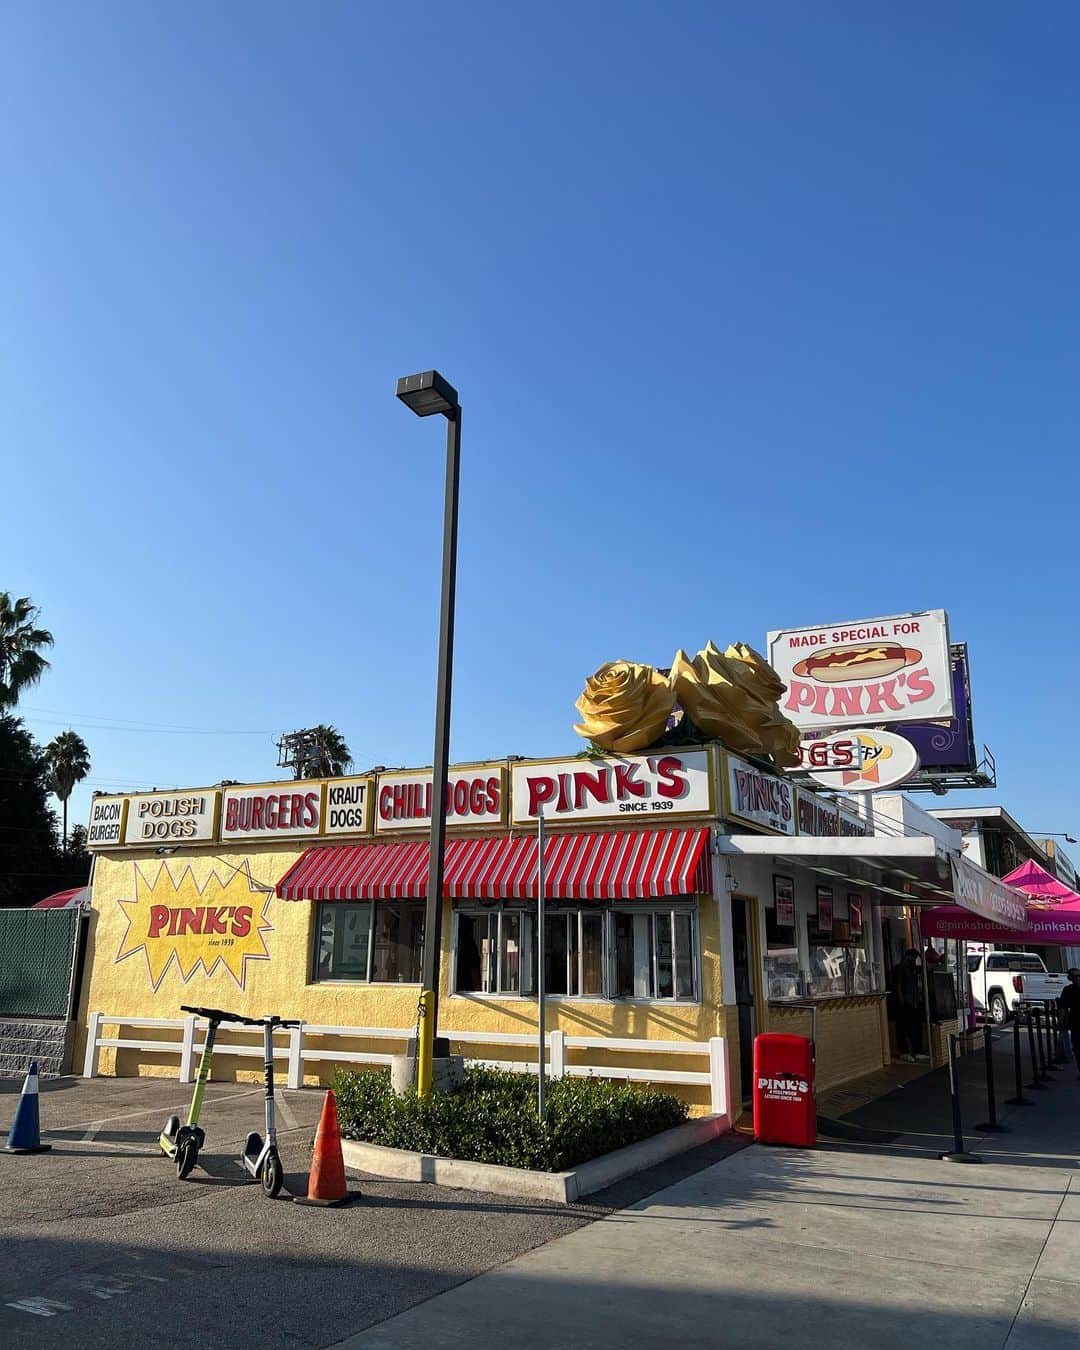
376, 943
620, 952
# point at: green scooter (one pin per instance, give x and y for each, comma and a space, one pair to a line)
179, 1142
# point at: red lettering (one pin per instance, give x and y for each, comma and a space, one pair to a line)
461, 797
190, 921
214, 919
241, 920
422, 801
625, 784
258, 805
541, 791
847, 701
843, 753
272, 804
159, 917
174, 917
883, 692
820, 695
595, 784
477, 797
493, 795
674, 780
386, 803
284, 815
311, 803
243, 813
230, 813
919, 685
564, 793
800, 695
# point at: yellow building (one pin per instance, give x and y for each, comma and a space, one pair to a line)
691, 895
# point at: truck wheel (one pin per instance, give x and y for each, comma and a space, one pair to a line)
999, 1009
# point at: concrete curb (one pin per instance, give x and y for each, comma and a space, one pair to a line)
562, 1187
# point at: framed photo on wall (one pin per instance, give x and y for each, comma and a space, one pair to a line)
784, 901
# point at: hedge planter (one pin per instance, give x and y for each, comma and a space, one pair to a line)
488, 1137
561, 1187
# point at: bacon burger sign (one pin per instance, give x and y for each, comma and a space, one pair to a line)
869, 671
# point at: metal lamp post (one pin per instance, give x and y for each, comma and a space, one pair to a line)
426, 394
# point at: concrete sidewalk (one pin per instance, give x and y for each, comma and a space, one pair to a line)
844, 1246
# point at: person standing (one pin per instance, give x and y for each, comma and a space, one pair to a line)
1069, 1003
909, 1007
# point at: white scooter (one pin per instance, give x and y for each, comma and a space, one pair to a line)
260, 1155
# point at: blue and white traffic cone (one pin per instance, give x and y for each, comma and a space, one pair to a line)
25, 1135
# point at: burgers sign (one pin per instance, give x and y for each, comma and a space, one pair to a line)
894, 669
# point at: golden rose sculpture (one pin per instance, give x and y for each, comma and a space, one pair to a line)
625, 706
721, 699
730, 695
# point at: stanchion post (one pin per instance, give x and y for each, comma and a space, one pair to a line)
1019, 1099
959, 1153
1055, 1033
990, 1124
1036, 1084
1045, 1062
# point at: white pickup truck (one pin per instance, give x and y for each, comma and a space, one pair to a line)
1001, 982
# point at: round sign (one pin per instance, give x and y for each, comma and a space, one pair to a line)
859, 761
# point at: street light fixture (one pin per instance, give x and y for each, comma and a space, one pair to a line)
426, 394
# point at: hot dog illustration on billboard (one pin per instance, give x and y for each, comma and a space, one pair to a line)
893, 669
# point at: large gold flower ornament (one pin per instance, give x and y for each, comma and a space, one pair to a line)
624, 706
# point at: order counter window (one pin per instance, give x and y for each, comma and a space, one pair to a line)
816, 953
613, 953
374, 943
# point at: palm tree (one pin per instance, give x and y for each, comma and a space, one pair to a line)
334, 756
68, 762
21, 661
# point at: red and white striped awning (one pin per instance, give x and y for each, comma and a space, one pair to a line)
610, 865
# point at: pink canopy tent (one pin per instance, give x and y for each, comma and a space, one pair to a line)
79, 898
1053, 914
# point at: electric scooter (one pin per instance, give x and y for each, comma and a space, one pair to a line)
179, 1142
260, 1155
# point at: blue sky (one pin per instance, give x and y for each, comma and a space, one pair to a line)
760, 315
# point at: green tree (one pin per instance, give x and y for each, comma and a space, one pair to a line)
30, 861
68, 762
334, 757
21, 641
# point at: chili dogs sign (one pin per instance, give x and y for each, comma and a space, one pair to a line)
624, 787
473, 797
894, 669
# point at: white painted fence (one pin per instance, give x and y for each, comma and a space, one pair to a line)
293, 1047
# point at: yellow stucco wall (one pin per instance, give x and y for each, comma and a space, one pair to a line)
852, 1036
121, 975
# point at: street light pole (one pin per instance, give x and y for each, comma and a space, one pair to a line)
426, 394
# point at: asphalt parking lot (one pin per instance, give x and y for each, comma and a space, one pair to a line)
103, 1246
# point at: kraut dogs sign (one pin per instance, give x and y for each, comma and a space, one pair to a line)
894, 669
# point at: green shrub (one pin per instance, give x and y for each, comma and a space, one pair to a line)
493, 1118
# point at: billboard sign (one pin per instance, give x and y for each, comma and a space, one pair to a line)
891, 669
947, 745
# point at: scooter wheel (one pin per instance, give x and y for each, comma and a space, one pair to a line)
272, 1175
187, 1155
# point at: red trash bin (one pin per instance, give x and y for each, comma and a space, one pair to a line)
785, 1111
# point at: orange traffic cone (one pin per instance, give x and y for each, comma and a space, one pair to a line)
326, 1184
